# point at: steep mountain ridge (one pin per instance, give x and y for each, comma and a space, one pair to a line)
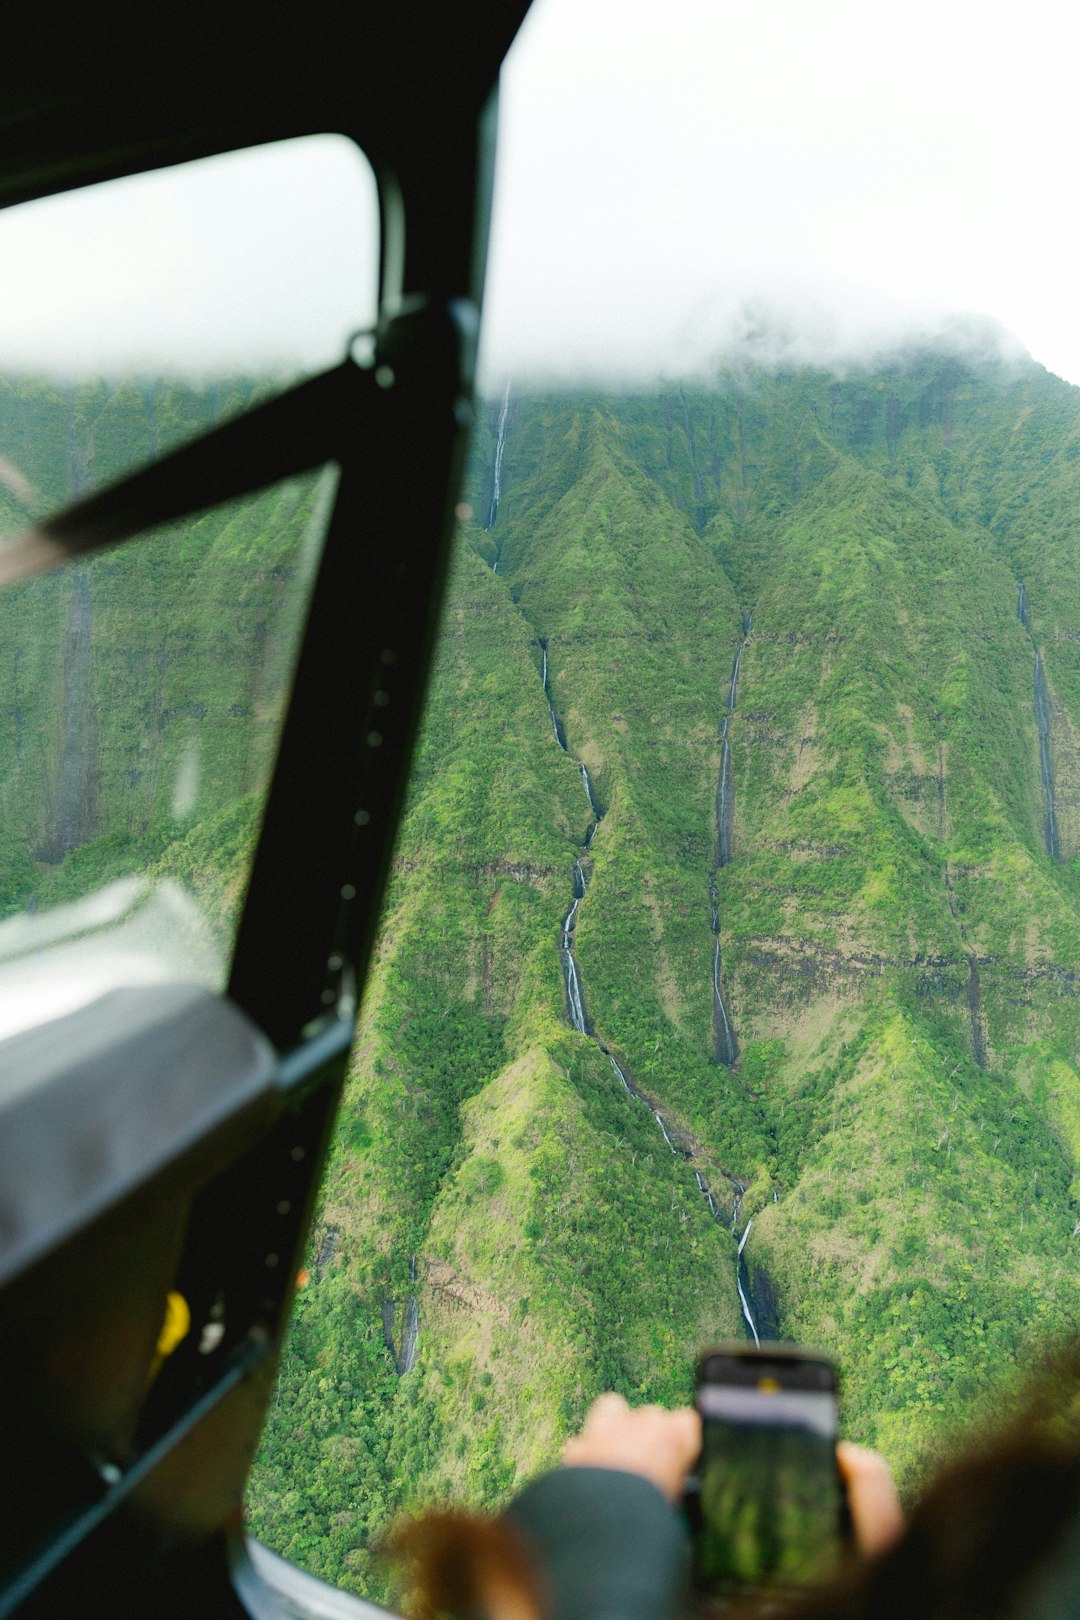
868, 872
763, 696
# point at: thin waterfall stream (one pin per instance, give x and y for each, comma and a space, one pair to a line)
1042, 721
496, 474
724, 1036
404, 1358
575, 999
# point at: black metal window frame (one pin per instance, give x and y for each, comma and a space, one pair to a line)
165, 1528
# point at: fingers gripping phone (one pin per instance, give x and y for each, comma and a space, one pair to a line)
769, 1513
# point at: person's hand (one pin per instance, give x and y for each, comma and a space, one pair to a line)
659, 1445
876, 1515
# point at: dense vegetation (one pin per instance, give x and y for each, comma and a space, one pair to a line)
141, 691
900, 955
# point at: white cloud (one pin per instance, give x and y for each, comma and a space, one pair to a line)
859, 168
266, 257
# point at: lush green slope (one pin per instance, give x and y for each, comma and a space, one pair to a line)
896, 948
892, 928
143, 689
899, 953
558, 1246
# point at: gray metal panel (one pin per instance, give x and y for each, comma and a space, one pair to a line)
273, 1589
95, 1104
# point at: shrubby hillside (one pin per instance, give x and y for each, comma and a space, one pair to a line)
826, 928
729, 976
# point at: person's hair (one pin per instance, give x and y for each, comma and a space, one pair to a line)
463, 1564
996, 1536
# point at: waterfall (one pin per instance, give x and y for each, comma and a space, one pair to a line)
627, 1087
727, 1051
1042, 720
409, 1337
745, 1307
659, 1118
742, 1278
724, 1035
496, 476
575, 998
405, 1358
573, 982
593, 806
733, 694
723, 800
556, 723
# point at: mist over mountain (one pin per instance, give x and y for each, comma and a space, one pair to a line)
787, 324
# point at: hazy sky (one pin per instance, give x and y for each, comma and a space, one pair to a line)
257, 258
857, 167
667, 173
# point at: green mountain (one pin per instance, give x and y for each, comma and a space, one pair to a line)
729, 977
881, 1081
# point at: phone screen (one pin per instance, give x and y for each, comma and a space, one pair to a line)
770, 1501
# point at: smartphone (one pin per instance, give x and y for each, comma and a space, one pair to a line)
769, 1513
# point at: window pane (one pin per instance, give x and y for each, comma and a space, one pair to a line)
141, 692
222, 278
144, 690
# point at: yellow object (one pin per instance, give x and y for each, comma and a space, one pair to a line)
174, 1329
768, 1386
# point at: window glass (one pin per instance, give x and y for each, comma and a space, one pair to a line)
144, 690
141, 691
138, 313
727, 985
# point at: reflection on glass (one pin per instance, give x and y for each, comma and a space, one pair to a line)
770, 1505
144, 694
141, 693
255, 262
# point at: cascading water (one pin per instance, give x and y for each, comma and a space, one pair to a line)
570, 972
405, 1358
726, 1049
496, 475
1042, 721
724, 1035
742, 1279
576, 1003
589, 794
556, 723
412, 1326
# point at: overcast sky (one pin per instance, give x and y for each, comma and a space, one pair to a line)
255, 259
858, 168
669, 174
